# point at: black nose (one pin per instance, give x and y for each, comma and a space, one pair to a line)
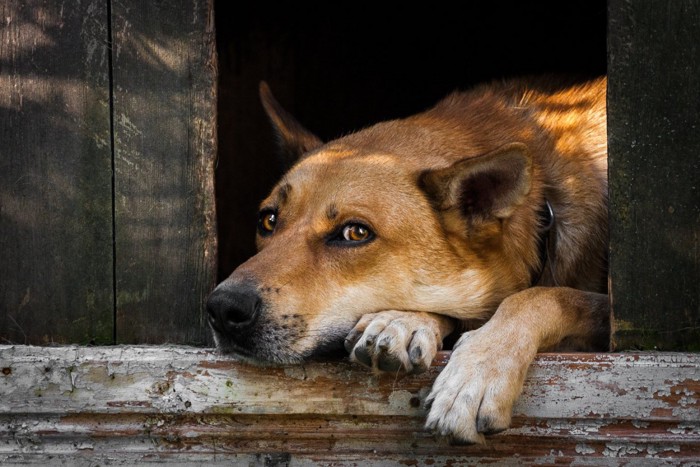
233, 308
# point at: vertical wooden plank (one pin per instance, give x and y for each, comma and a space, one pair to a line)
654, 150
55, 173
164, 129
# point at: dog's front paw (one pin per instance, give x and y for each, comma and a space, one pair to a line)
397, 340
475, 392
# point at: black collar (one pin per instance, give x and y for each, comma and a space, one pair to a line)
546, 215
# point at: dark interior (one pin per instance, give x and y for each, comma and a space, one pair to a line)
343, 66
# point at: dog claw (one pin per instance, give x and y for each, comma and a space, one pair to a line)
389, 363
416, 355
486, 426
459, 442
349, 343
392, 340
362, 355
384, 343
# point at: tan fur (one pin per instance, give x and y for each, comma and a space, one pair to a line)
453, 197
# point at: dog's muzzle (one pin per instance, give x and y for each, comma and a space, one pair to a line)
233, 309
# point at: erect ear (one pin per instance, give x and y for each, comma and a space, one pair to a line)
294, 139
482, 187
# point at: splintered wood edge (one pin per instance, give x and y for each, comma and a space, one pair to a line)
198, 402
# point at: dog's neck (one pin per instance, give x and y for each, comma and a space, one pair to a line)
546, 215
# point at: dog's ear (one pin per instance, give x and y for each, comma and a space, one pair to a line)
294, 139
482, 187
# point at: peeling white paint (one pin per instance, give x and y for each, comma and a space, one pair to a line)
635, 449
685, 429
145, 399
640, 424
584, 449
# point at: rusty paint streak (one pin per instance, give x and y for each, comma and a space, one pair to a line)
193, 402
662, 412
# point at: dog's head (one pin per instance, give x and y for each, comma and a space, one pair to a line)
384, 219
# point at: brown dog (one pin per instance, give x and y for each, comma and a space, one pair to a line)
490, 207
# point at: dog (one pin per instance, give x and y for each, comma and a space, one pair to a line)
484, 216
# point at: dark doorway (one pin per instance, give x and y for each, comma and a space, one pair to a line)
343, 66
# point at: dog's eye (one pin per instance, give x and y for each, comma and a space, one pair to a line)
267, 221
356, 233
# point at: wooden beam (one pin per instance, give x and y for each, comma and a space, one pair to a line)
181, 404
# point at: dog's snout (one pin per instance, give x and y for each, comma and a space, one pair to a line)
233, 308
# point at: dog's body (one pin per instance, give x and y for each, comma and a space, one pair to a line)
389, 239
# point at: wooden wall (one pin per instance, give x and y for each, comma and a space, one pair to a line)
55, 173
654, 165
164, 83
107, 124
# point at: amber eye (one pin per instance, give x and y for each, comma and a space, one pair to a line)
352, 234
267, 221
356, 233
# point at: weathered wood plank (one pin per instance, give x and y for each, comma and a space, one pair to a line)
654, 143
192, 405
165, 144
55, 173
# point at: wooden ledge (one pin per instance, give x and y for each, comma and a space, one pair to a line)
188, 405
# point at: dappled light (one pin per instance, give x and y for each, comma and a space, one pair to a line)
105, 171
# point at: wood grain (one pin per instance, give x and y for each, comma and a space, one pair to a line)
654, 142
165, 146
181, 405
55, 173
